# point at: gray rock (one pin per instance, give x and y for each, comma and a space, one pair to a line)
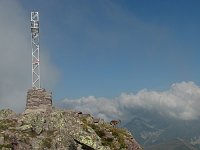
43, 128
6, 113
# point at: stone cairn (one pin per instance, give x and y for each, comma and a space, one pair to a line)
38, 99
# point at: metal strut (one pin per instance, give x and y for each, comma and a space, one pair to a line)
35, 50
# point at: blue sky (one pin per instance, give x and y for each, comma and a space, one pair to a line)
103, 48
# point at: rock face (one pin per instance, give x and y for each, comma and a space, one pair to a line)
38, 99
42, 127
62, 130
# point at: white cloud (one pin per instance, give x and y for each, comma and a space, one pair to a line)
181, 101
100, 107
15, 56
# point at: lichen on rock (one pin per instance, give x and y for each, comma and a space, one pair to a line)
58, 129
43, 127
6, 113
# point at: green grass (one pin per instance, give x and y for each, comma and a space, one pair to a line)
118, 133
100, 132
106, 142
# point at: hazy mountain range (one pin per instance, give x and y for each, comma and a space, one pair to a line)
155, 131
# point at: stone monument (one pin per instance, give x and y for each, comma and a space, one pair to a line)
38, 99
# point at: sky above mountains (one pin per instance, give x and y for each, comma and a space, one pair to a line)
103, 48
100, 48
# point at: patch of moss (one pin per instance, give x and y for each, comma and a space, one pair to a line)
99, 131
106, 142
84, 120
114, 132
94, 127
119, 134
46, 143
6, 138
29, 133
85, 123
122, 146
85, 127
6, 123
6, 146
50, 132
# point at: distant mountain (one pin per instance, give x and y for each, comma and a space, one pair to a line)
176, 144
151, 128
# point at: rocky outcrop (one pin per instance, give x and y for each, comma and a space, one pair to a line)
41, 127
7, 113
61, 129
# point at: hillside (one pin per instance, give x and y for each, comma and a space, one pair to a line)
60, 129
43, 127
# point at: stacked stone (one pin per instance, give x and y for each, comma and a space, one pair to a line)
38, 99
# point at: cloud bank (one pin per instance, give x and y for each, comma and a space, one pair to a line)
15, 56
181, 101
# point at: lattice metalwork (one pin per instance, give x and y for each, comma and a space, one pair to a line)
35, 50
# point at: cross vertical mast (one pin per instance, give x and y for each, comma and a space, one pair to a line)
35, 50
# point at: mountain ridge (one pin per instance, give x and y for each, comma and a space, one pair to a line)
151, 128
60, 129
